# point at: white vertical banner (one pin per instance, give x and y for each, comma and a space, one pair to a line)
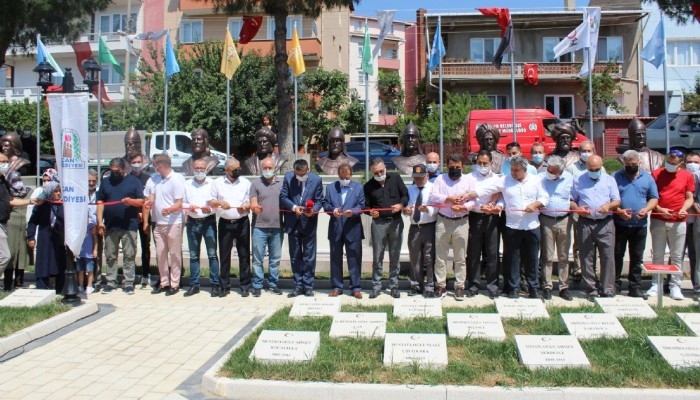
69, 126
592, 16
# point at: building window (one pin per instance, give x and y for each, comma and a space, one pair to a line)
113, 23
499, 102
191, 31
560, 105
683, 53
357, 26
482, 50
290, 26
386, 109
548, 44
610, 49
390, 54
390, 31
234, 26
360, 50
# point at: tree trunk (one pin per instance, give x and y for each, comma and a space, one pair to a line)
285, 111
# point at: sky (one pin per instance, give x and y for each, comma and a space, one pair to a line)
406, 9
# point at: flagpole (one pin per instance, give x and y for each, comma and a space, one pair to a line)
228, 118
99, 126
296, 121
668, 140
590, 96
165, 118
366, 126
38, 135
442, 157
512, 90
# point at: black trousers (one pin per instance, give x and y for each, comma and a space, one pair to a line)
483, 245
421, 244
145, 241
521, 245
237, 231
634, 239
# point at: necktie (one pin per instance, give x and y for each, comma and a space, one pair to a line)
419, 202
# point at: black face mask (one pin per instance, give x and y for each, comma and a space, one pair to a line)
631, 169
234, 175
454, 172
116, 177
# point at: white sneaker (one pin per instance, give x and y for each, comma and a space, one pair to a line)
652, 292
90, 290
676, 293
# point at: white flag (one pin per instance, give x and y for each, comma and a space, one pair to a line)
577, 39
385, 19
592, 15
69, 124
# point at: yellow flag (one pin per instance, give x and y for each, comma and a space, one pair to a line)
296, 56
229, 57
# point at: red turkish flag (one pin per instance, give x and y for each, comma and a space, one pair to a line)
502, 16
696, 10
250, 28
83, 52
531, 74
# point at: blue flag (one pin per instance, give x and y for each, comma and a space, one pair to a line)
171, 65
655, 50
437, 52
42, 54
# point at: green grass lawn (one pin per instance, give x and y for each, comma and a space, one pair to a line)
15, 319
614, 362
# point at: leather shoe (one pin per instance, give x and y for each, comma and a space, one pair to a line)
224, 292
159, 290
245, 293
256, 292
309, 293
428, 294
591, 297
374, 294
215, 291
172, 292
564, 294
440, 291
415, 290
513, 294
395, 293
296, 292
335, 293
546, 294
459, 294
534, 294
637, 292
275, 290
493, 295
192, 291
357, 294
471, 293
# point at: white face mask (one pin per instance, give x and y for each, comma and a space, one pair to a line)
4, 167
344, 182
136, 166
200, 175
584, 156
432, 167
669, 167
267, 174
302, 178
551, 176
380, 178
692, 167
19, 185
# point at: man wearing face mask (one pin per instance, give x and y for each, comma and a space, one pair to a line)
231, 196
555, 227
201, 224
514, 150
268, 234
594, 197
649, 159
484, 231
692, 242
676, 190
137, 170
387, 192
302, 194
432, 160
537, 157
452, 225
118, 223
638, 197
345, 199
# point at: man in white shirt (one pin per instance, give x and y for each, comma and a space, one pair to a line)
164, 193
421, 234
231, 196
201, 224
523, 195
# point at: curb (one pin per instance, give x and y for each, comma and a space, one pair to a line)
46, 327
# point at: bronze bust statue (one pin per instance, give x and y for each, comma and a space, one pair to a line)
132, 148
563, 134
336, 153
487, 134
265, 141
200, 151
649, 159
11, 146
410, 151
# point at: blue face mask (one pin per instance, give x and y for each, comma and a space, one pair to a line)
594, 174
537, 158
483, 170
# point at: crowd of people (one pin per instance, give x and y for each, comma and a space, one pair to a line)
535, 210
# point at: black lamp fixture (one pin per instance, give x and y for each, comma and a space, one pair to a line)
91, 67
45, 71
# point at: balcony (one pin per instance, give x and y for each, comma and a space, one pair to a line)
115, 92
192, 7
387, 120
389, 63
488, 72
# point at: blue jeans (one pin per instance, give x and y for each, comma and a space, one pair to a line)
269, 239
196, 230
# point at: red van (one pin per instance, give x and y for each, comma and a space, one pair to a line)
532, 125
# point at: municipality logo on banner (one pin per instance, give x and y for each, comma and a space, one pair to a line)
73, 157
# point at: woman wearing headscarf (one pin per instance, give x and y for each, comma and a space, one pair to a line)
45, 232
16, 226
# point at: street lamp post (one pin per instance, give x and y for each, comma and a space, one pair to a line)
45, 70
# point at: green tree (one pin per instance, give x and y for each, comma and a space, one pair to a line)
691, 100
22, 20
390, 90
679, 10
323, 98
354, 115
605, 89
15, 115
279, 10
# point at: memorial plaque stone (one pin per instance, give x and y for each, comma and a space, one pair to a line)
691, 321
417, 307
365, 325
29, 298
315, 307
626, 307
593, 325
550, 351
681, 352
521, 308
422, 349
285, 346
475, 326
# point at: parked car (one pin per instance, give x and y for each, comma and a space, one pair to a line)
376, 149
683, 131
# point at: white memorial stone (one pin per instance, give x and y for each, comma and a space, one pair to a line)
521, 308
365, 325
422, 349
691, 322
285, 346
417, 307
593, 325
29, 298
315, 307
475, 326
626, 307
550, 351
681, 352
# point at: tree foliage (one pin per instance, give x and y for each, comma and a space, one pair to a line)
390, 90
605, 89
691, 100
22, 20
15, 115
323, 100
678, 10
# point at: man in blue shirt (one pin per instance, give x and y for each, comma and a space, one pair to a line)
638, 197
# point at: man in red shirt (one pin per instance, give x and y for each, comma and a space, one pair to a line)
676, 187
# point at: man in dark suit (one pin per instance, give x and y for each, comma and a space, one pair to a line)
345, 199
302, 193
